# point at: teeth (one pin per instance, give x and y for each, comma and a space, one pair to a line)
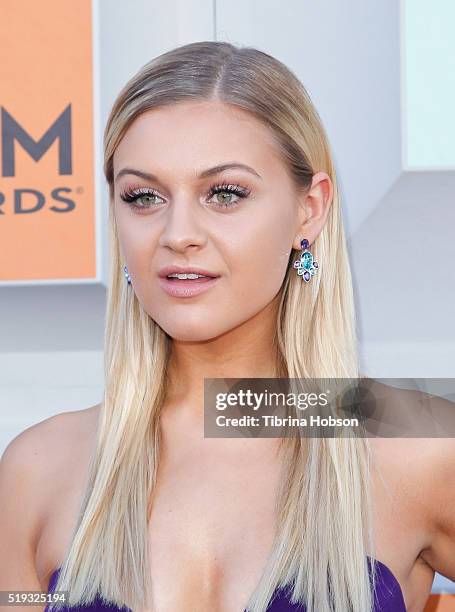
186, 276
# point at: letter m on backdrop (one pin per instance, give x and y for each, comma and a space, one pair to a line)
61, 129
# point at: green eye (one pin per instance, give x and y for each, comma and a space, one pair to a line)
230, 190
135, 195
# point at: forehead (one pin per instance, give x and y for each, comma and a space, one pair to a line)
192, 136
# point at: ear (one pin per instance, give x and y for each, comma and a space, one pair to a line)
314, 207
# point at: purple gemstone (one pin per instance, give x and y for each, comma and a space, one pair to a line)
315, 264
306, 276
304, 243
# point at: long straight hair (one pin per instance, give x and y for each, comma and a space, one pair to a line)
323, 503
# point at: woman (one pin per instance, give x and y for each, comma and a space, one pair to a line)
217, 164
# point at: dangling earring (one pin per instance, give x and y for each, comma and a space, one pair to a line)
306, 266
127, 276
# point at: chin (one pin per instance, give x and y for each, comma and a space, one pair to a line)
191, 332
192, 336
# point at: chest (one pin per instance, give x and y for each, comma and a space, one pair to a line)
213, 523
211, 530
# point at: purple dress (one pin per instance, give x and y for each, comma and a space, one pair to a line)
388, 596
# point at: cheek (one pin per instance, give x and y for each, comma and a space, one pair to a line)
260, 257
137, 241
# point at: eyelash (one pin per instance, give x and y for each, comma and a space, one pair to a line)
130, 196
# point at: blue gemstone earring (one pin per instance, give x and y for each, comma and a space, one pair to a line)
306, 266
127, 276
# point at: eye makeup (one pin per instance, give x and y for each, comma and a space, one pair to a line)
132, 196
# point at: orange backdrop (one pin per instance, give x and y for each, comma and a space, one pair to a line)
440, 603
46, 77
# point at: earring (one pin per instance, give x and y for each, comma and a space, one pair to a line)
306, 266
127, 276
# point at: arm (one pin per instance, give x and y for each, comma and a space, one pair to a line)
440, 555
20, 513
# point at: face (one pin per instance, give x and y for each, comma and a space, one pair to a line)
238, 224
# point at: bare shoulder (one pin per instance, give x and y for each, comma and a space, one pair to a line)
35, 467
423, 461
422, 473
433, 484
36, 449
423, 468
440, 486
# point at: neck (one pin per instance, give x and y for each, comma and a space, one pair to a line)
247, 351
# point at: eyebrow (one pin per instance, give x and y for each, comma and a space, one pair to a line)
203, 174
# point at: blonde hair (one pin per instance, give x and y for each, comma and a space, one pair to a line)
323, 504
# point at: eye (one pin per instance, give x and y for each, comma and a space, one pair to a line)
144, 195
142, 198
230, 190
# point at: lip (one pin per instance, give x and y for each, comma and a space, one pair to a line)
184, 269
187, 288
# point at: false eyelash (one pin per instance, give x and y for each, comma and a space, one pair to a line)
130, 196
229, 188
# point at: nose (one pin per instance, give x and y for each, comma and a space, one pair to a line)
182, 228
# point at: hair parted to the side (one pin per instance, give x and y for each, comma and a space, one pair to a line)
324, 530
